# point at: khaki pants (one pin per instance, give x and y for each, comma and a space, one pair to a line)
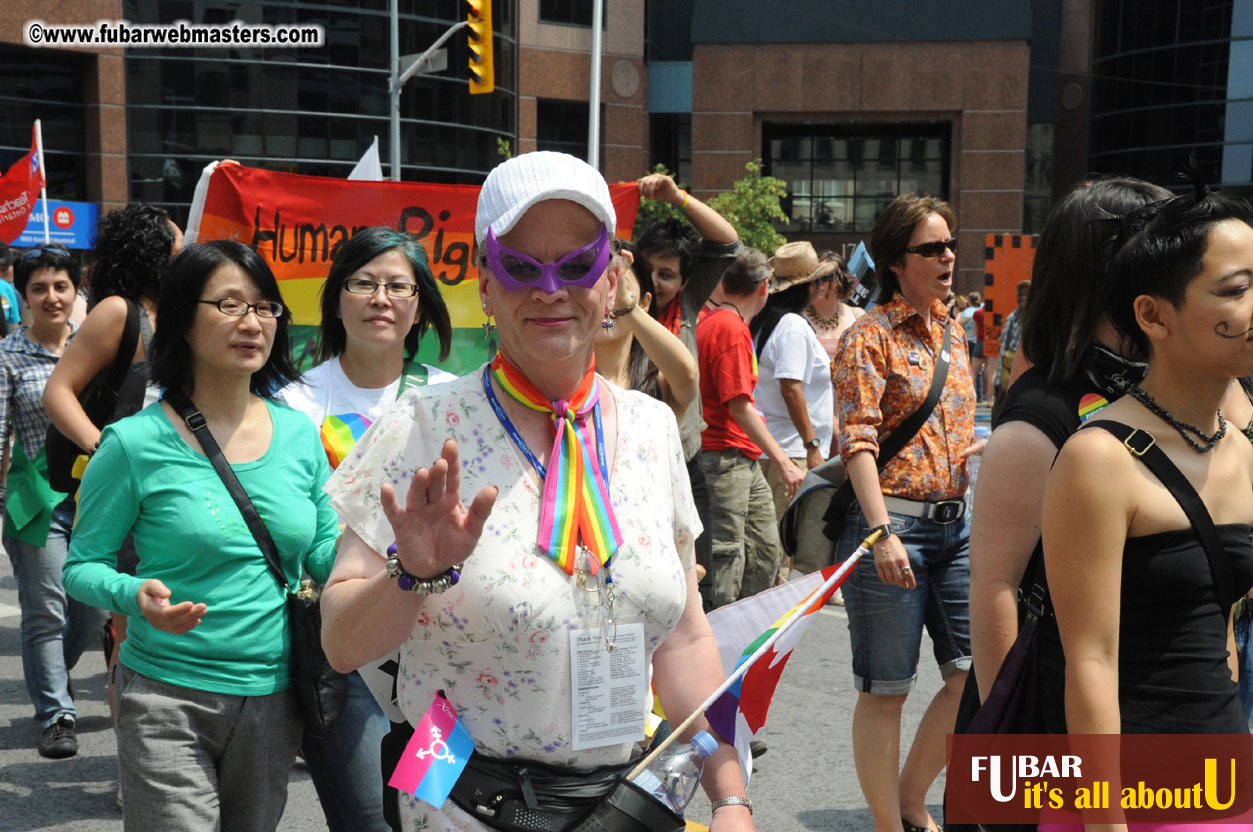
774, 478
745, 532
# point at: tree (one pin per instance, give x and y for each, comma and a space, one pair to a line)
752, 205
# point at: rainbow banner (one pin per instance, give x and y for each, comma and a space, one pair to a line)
296, 223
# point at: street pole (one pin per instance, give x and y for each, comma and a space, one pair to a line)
393, 65
428, 60
593, 95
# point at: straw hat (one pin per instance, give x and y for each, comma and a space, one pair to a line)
794, 264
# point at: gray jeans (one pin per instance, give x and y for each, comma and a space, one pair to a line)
745, 534
195, 760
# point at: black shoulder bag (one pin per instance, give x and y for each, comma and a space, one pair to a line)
814, 518
320, 690
98, 400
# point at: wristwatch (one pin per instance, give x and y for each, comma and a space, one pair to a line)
625, 310
731, 801
886, 528
421, 586
814, 443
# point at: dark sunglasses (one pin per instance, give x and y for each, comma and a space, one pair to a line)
35, 253
930, 250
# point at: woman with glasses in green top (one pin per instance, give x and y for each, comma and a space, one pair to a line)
207, 721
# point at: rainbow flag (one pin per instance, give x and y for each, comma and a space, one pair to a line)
740, 629
1090, 405
340, 433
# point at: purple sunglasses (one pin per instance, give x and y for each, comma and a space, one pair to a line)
515, 270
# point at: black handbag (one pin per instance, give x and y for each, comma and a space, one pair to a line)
99, 400
814, 518
321, 691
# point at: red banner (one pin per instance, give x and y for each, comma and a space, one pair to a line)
19, 188
296, 223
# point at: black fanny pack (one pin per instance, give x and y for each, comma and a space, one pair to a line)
526, 796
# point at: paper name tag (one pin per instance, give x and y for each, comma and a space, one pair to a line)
607, 687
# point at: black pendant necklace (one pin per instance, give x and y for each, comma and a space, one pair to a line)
1186, 430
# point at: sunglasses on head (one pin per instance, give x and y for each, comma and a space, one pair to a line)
35, 253
515, 270
935, 249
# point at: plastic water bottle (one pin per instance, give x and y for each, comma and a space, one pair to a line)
672, 778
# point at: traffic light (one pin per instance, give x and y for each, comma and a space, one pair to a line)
482, 66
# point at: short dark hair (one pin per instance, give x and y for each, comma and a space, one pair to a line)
131, 251
671, 238
44, 257
6, 255
1068, 277
892, 229
354, 254
832, 263
1158, 249
180, 303
747, 271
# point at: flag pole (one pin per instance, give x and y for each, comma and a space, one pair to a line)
43, 170
836, 577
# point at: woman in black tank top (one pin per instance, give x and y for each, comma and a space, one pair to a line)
1181, 289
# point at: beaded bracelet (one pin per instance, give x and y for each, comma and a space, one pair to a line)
422, 586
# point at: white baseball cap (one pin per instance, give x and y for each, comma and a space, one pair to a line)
518, 183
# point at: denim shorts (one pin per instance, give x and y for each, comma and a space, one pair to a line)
885, 622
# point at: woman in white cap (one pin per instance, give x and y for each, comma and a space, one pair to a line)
562, 551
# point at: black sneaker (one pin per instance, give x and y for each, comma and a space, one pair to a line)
58, 740
757, 748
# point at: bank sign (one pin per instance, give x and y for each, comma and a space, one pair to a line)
72, 224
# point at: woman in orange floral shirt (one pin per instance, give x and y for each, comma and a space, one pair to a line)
920, 572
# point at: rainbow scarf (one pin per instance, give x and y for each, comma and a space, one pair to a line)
576, 505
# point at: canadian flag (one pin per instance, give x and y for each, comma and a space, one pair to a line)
19, 188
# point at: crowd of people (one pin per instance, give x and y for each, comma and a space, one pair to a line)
615, 471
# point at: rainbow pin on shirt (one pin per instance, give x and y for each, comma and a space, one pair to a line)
1090, 405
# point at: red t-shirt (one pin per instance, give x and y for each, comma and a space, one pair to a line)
728, 369
979, 326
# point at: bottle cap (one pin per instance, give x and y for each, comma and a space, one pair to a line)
704, 743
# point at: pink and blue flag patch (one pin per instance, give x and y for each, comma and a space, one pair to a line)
435, 756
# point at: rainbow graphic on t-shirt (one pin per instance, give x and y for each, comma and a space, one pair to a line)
340, 433
1090, 405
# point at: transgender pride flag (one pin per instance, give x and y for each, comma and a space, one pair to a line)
435, 756
742, 629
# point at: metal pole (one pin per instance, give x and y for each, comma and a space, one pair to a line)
393, 87
43, 169
593, 95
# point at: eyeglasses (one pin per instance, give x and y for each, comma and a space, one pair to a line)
581, 267
238, 308
931, 250
35, 253
361, 286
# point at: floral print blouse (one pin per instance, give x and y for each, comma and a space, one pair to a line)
497, 643
882, 375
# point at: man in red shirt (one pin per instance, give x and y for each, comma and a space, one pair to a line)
745, 536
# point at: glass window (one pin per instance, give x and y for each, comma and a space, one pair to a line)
563, 126
840, 177
570, 12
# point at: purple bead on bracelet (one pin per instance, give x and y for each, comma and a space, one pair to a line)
422, 586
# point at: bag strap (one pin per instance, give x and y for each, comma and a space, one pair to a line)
200, 429
899, 438
1144, 447
414, 374
102, 408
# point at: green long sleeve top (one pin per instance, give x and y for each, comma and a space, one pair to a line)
146, 480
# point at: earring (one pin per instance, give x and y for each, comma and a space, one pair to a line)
489, 328
609, 322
